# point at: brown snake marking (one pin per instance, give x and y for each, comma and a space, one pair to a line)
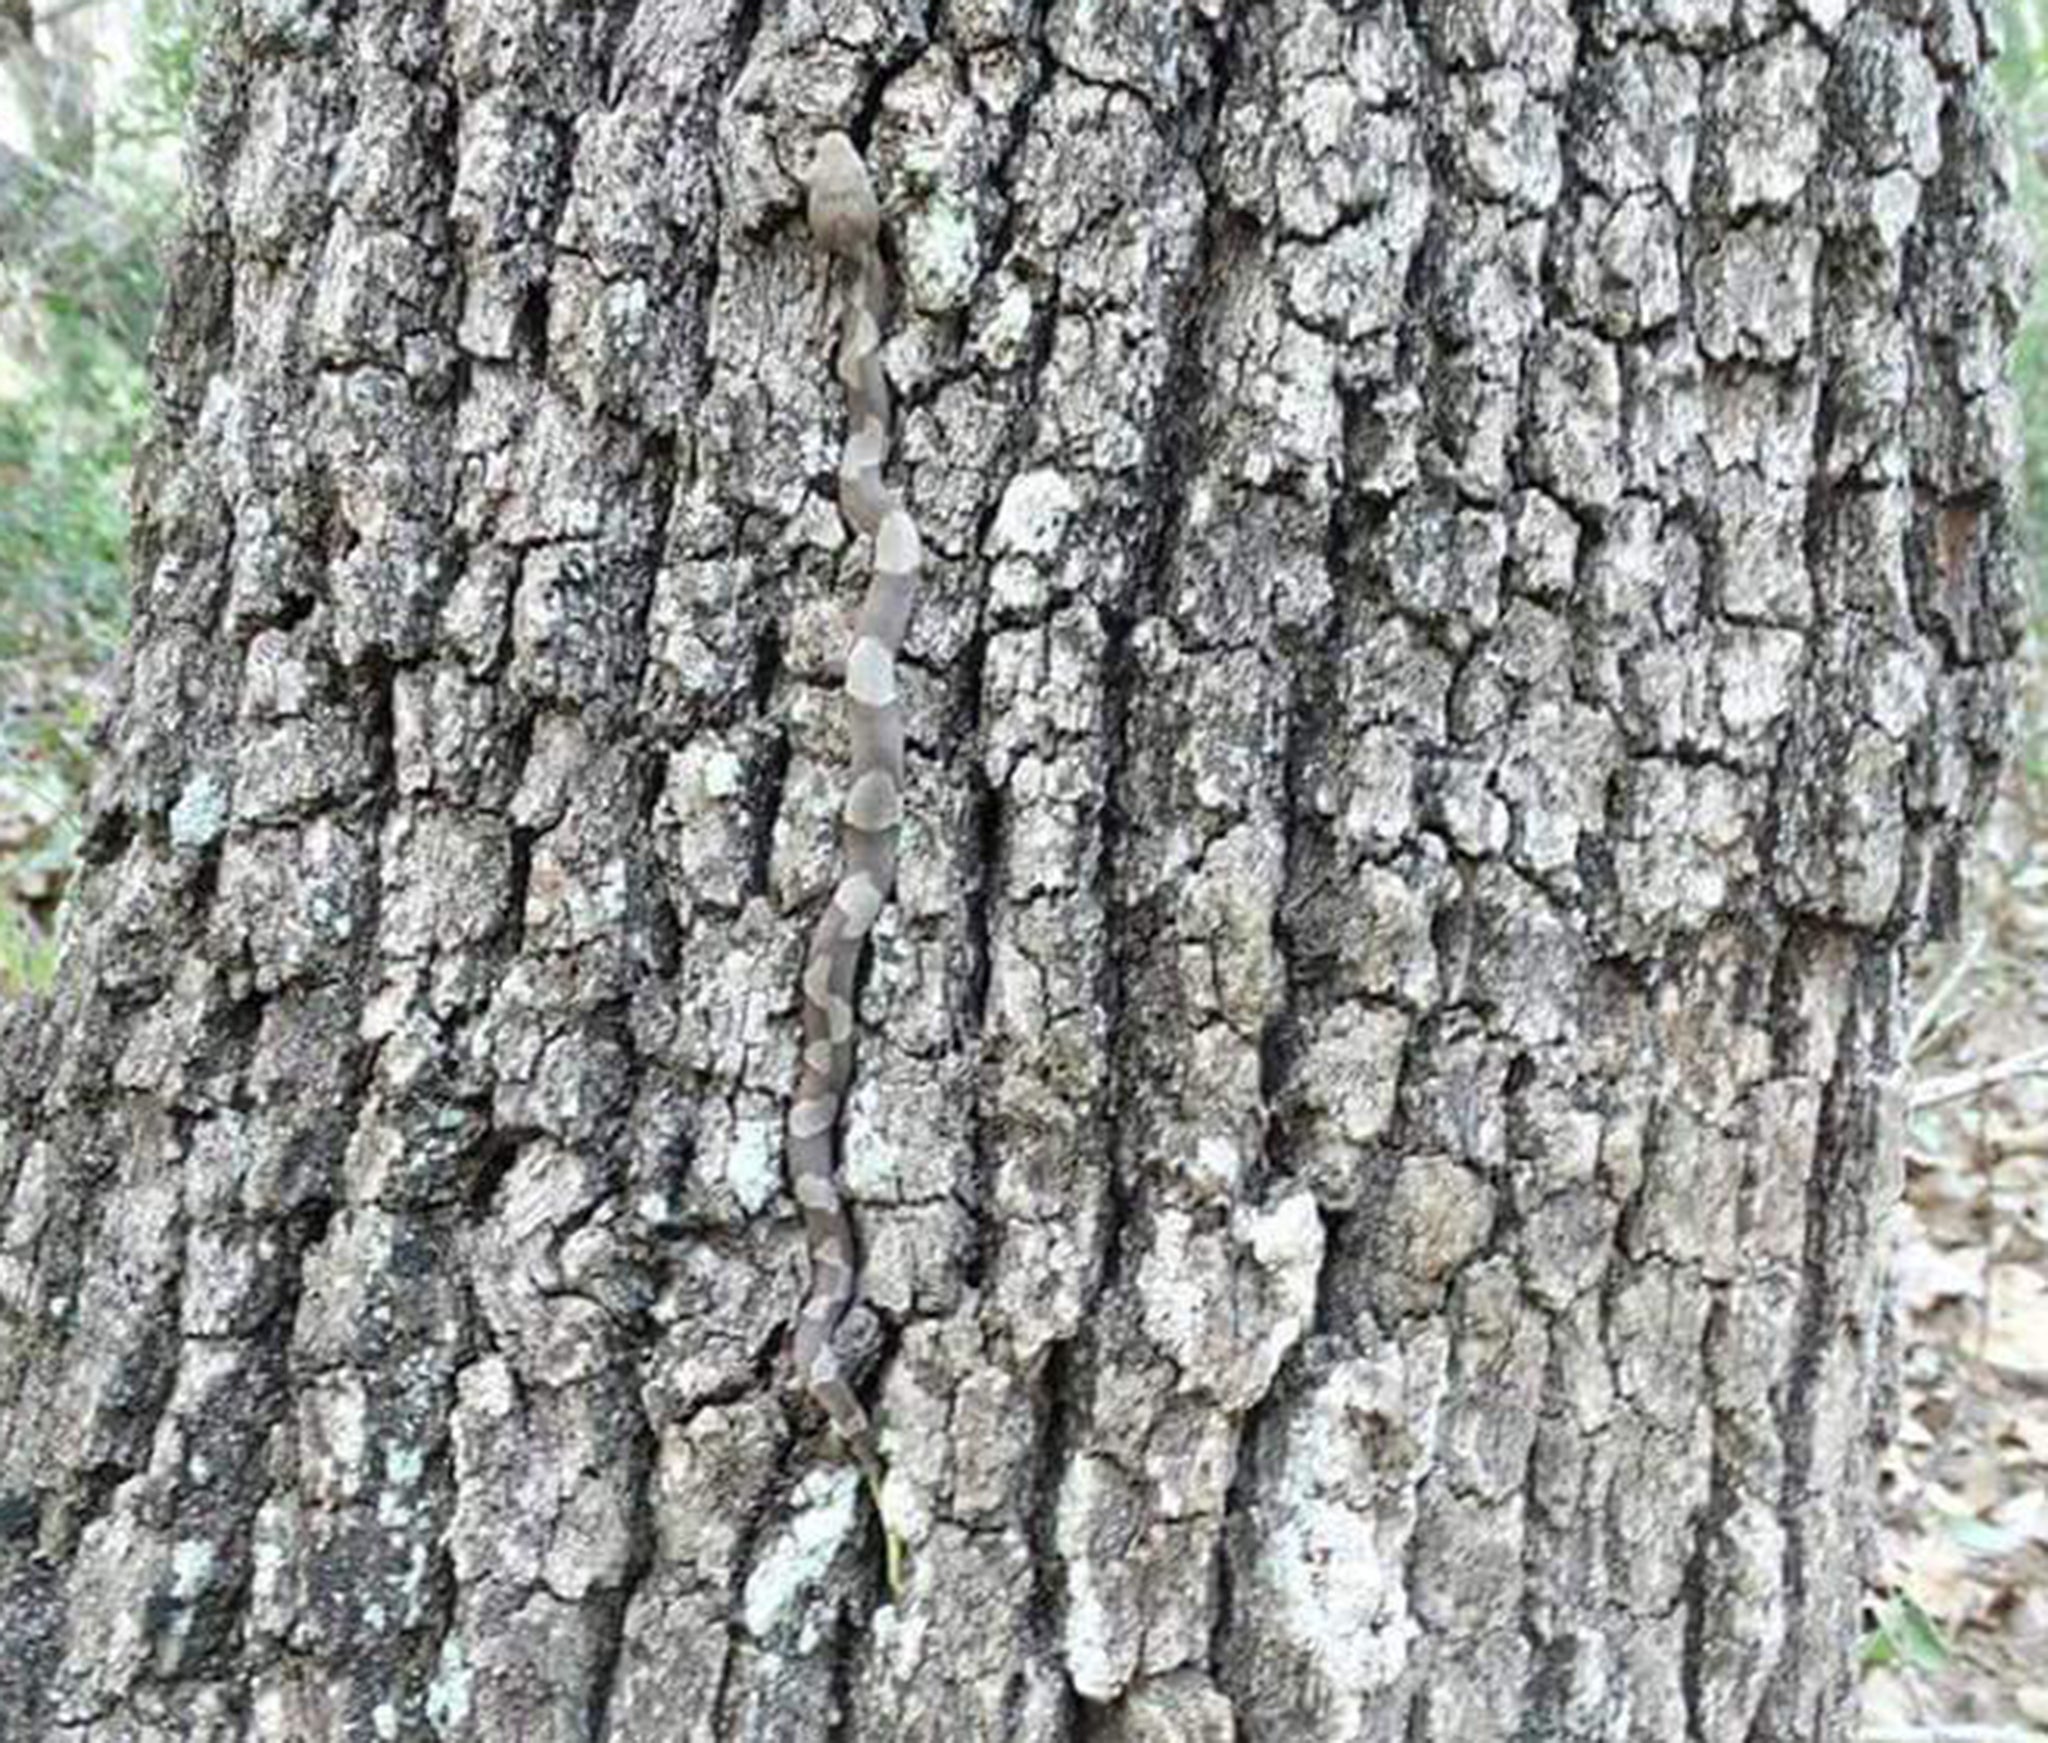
845, 221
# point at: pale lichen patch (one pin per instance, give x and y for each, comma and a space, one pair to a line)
201, 813
824, 1518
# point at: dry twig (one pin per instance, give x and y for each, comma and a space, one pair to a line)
1961, 1085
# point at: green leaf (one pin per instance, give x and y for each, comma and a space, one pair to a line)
1906, 1635
28, 956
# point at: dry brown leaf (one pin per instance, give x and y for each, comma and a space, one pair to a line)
2026, 1514
1937, 1571
2026, 1432
2017, 1339
1928, 1275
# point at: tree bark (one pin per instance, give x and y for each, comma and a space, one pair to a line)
1471, 583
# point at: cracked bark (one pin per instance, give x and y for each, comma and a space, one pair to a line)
1471, 587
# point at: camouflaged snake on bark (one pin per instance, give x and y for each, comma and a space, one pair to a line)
845, 221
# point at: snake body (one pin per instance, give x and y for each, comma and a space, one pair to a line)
845, 221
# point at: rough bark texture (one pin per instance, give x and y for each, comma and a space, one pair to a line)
1470, 581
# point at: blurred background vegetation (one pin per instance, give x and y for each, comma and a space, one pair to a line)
90, 101
91, 92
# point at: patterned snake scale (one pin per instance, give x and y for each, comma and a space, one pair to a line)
845, 221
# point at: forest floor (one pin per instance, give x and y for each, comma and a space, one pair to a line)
1959, 1642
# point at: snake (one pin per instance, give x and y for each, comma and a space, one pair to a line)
845, 222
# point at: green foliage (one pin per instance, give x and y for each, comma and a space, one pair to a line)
75, 319
28, 953
172, 31
38, 797
1906, 1637
65, 451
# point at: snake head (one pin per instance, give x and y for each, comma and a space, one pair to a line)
844, 216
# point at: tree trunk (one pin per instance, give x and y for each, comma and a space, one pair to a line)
1470, 583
